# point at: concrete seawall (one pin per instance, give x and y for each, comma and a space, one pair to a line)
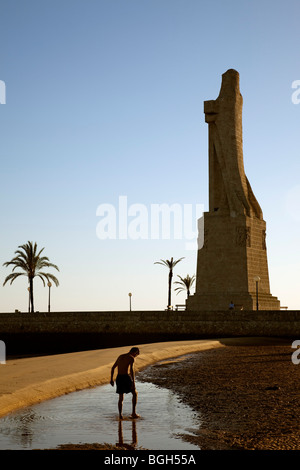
74, 331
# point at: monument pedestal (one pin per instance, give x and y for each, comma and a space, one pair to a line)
232, 254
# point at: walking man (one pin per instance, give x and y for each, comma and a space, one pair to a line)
125, 380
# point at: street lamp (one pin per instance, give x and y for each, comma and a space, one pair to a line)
49, 285
257, 279
130, 295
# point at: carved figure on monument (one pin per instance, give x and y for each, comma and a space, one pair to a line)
230, 190
232, 246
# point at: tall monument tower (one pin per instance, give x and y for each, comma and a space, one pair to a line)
232, 255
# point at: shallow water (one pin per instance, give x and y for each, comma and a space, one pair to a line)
91, 415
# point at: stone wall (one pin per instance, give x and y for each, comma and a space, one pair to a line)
74, 331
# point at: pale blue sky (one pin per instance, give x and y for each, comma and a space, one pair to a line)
105, 99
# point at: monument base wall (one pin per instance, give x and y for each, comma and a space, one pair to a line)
217, 301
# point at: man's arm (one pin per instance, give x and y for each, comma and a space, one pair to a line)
132, 373
112, 373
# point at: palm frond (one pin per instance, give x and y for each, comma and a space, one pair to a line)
48, 276
19, 263
175, 262
169, 263
54, 279
42, 278
39, 253
42, 263
11, 277
185, 283
162, 262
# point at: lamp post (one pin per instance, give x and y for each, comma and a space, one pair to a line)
49, 285
130, 295
257, 279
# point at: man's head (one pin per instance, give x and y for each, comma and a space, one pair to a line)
134, 351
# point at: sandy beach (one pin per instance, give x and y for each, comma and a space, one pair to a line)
27, 381
247, 394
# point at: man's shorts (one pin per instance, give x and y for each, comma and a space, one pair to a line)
124, 384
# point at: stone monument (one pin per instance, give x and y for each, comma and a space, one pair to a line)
232, 255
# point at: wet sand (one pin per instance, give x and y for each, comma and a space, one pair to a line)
244, 390
247, 394
27, 381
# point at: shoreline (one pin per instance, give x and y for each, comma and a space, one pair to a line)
31, 380
243, 389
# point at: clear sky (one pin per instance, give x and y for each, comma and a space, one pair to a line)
104, 107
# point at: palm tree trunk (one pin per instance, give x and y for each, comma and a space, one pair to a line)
31, 294
170, 284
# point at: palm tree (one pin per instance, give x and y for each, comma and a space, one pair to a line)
170, 264
185, 284
31, 263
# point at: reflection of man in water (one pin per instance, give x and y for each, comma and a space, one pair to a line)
121, 442
125, 379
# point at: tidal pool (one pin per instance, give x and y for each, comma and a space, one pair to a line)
91, 416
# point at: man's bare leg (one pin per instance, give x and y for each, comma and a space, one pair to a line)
134, 402
120, 405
